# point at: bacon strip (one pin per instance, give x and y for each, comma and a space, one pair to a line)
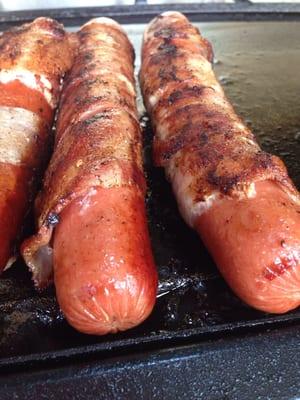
238, 197
33, 59
91, 215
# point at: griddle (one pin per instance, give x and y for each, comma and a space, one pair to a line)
201, 341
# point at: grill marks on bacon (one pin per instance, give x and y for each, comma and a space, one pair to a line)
31, 67
219, 174
92, 227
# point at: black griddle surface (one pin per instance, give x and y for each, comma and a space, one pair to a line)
258, 65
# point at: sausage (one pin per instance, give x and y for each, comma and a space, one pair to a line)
92, 228
31, 66
264, 233
104, 275
237, 197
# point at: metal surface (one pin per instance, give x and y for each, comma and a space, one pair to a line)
141, 13
261, 367
14, 5
257, 62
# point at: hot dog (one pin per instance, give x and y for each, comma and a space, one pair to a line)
31, 66
92, 228
237, 197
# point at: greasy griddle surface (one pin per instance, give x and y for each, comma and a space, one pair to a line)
258, 65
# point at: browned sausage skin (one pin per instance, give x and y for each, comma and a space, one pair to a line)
237, 197
94, 190
31, 67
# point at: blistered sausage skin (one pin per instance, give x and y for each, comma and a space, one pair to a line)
238, 198
31, 67
92, 227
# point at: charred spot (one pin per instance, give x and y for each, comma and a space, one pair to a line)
91, 82
189, 108
163, 57
172, 148
168, 74
15, 52
187, 92
203, 138
125, 103
97, 117
166, 52
58, 31
191, 136
94, 98
103, 82
199, 114
177, 95
83, 34
156, 59
264, 160
206, 156
224, 183
52, 219
211, 114
165, 33
85, 69
197, 90
168, 49
88, 56
228, 134
88, 100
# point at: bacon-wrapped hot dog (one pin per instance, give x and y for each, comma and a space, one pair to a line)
237, 197
33, 59
94, 192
